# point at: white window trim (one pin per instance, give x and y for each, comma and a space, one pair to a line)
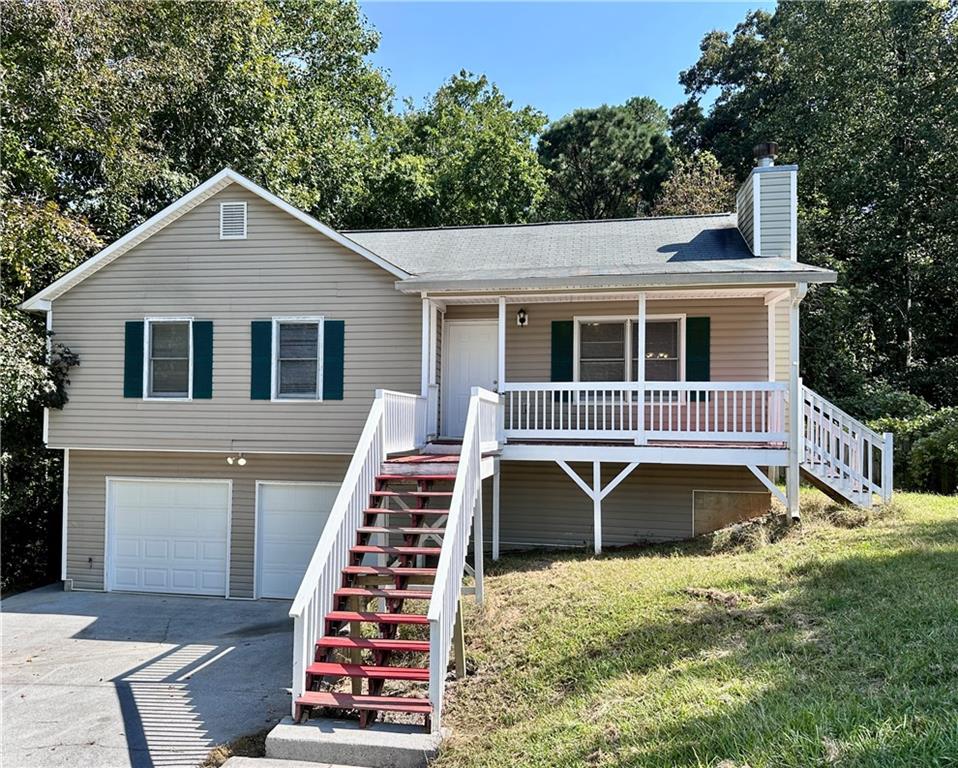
628, 320
147, 353
275, 397
245, 220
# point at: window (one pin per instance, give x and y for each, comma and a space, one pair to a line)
661, 351
606, 345
297, 370
170, 358
232, 221
601, 351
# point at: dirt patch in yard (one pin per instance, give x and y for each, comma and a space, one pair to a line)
253, 745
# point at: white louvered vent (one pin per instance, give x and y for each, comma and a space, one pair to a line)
232, 221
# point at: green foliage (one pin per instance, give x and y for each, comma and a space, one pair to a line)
879, 399
607, 162
112, 109
464, 157
863, 97
926, 450
697, 185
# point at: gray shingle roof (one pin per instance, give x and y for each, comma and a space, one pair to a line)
681, 245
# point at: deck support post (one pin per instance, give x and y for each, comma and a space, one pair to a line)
495, 508
795, 400
596, 492
597, 504
478, 545
459, 642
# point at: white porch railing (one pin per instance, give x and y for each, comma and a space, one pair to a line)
844, 452
688, 411
479, 433
396, 422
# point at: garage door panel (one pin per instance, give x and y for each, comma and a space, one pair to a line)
291, 520
169, 536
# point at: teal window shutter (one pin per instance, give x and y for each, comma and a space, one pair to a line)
133, 359
261, 360
562, 350
202, 359
334, 346
697, 332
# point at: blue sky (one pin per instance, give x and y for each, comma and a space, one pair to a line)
554, 56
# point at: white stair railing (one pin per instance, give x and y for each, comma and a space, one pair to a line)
479, 436
395, 422
845, 453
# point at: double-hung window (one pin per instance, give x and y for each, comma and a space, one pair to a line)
602, 351
169, 359
661, 351
609, 349
298, 358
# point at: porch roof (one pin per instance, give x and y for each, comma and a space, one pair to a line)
672, 250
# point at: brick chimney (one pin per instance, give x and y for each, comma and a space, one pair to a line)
767, 205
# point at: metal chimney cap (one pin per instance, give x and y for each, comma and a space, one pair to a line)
765, 152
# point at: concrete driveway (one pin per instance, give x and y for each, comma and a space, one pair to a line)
147, 681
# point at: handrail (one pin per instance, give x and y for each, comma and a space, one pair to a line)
393, 424
447, 586
842, 450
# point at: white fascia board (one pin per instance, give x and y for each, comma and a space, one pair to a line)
636, 282
40, 301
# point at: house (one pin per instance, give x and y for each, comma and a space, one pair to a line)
266, 407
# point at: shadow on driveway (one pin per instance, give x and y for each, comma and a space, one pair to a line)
141, 681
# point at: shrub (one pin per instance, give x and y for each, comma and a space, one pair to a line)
926, 449
879, 399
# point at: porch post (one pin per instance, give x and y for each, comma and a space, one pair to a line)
640, 369
597, 504
794, 401
495, 508
426, 338
501, 377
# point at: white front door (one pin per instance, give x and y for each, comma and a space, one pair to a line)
168, 536
290, 520
469, 359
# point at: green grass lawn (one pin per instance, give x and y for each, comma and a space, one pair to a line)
834, 643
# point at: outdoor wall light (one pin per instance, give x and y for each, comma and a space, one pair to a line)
241, 460
522, 318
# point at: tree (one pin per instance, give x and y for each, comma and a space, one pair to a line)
606, 162
464, 157
111, 109
697, 185
865, 98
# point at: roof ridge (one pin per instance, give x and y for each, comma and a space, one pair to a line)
539, 223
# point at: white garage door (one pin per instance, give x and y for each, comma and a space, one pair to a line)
291, 519
168, 536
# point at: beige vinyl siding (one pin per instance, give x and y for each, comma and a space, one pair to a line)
86, 515
775, 201
283, 268
744, 206
738, 328
541, 506
782, 333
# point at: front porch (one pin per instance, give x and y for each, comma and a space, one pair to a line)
681, 377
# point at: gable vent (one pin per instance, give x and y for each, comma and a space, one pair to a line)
232, 221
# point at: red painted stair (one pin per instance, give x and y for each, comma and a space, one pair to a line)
386, 560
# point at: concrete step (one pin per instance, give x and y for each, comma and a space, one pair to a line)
271, 762
343, 742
